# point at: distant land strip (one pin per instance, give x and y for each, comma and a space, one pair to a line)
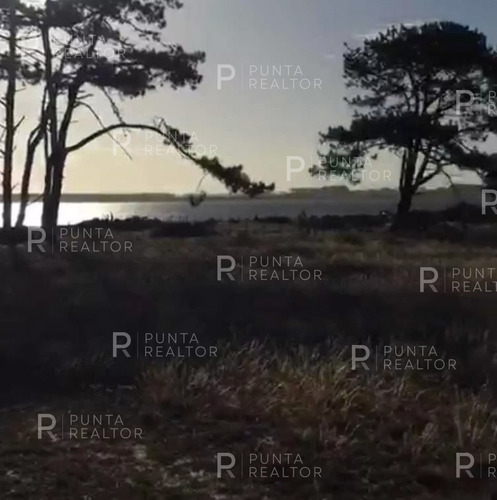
459, 191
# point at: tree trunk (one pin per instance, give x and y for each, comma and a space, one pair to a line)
26, 177
10, 127
51, 199
57, 192
403, 209
47, 190
406, 188
52, 156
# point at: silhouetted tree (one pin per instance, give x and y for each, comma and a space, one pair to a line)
10, 125
17, 68
408, 80
114, 47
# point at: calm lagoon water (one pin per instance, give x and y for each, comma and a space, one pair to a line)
73, 213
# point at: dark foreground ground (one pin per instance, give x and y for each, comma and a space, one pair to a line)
281, 382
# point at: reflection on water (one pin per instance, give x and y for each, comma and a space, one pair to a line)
73, 213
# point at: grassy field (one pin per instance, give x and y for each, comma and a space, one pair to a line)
281, 382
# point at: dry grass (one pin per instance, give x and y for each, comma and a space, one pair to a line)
282, 381
376, 434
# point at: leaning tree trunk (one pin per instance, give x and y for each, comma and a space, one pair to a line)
26, 176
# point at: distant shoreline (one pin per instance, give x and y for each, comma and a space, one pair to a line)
464, 190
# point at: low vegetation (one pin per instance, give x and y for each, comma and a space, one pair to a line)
282, 380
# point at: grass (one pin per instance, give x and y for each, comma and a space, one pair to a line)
375, 436
282, 380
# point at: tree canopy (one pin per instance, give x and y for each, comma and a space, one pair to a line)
75, 48
408, 83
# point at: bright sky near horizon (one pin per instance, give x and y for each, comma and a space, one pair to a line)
252, 45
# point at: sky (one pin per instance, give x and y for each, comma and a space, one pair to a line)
293, 46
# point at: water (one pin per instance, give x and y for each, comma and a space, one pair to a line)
73, 213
